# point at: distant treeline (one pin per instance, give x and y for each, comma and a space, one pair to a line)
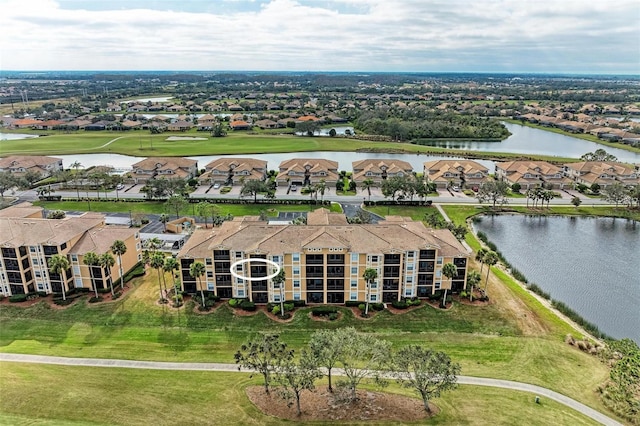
421, 123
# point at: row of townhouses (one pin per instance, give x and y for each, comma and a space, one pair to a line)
309, 171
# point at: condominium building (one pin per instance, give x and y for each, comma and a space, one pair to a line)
603, 173
27, 243
462, 173
378, 170
324, 260
530, 174
19, 165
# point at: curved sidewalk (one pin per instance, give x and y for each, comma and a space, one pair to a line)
201, 366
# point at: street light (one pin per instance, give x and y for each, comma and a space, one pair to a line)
130, 219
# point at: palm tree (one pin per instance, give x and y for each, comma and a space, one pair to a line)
171, 265
450, 271
76, 165
119, 248
107, 261
164, 218
153, 244
491, 258
197, 270
278, 281
321, 187
58, 264
157, 262
91, 259
480, 254
368, 184
473, 279
369, 275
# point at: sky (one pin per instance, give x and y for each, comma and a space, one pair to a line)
502, 36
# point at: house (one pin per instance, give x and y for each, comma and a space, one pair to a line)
603, 173
164, 167
268, 124
323, 260
379, 170
179, 126
530, 174
28, 242
240, 125
462, 173
231, 171
307, 171
21, 164
207, 122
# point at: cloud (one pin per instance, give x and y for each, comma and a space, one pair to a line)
351, 35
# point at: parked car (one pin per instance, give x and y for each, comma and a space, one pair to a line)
120, 186
216, 186
456, 188
294, 188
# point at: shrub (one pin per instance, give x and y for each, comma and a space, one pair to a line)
288, 307
206, 307
16, 298
399, 304
116, 295
352, 303
136, 271
296, 303
285, 316
414, 302
324, 311
463, 294
247, 305
275, 310
333, 316
42, 294
518, 275
377, 306
62, 302
537, 290
233, 303
95, 299
362, 307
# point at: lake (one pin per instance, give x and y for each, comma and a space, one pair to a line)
590, 264
15, 136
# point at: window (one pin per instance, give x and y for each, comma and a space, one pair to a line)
355, 257
240, 292
38, 274
296, 283
238, 268
439, 273
210, 286
410, 266
240, 281
295, 257
410, 254
408, 292
296, 296
354, 283
76, 270
209, 274
208, 261
439, 261
137, 246
353, 295
437, 285
296, 270
373, 298
354, 270
276, 297
409, 280
74, 258
374, 259
276, 259
40, 287
33, 249
78, 283
63, 246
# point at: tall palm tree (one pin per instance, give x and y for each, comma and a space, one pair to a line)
107, 261
153, 244
76, 165
473, 279
491, 258
157, 262
91, 259
278, 281
369, 275
171, 265
197, 270
480, 254
58, 264
321, 187
450, 271
119, 248
368, 184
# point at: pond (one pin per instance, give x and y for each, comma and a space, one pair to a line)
590, 264
15, 136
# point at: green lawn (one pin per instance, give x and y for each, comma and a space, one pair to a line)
144, 144
157, 207
113, 396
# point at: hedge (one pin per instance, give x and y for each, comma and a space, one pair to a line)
16, 298
324, 311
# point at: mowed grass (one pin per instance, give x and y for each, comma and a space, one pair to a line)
144, 144
158, 207
482, 339
114, 396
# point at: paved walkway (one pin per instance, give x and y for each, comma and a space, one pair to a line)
200, 366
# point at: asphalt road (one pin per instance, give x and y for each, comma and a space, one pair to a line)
196, 366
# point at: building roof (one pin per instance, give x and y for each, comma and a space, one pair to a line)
362, 167
16, 232
27, 161
100, 239
166, 163
226, 163
22, 210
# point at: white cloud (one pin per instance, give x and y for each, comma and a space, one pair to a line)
376, 35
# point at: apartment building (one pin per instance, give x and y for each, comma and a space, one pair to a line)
231, 171
530, 174
164, 167
324, 260
27, 242
19, 165
307, 171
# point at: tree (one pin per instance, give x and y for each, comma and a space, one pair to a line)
491, 258
480, 254
76, 165
176, 203
516, 187
59, 264
197, 270
450, 271
163, 218
473, 279
31, 177
106, 261
253, 187
326, 350
493, 191
7, 181
264, 354
599, 155
615, 193
171, 265
91, 259
426, 371
321, 187
361, 356
296, 377
595, 188
369, 275
278, 281
576, 201
156, 261
205, 210
367, 184
119, 248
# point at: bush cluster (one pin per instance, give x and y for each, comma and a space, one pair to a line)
16, 298
575, 317
324, 311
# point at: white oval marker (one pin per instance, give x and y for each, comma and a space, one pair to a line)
258, 260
